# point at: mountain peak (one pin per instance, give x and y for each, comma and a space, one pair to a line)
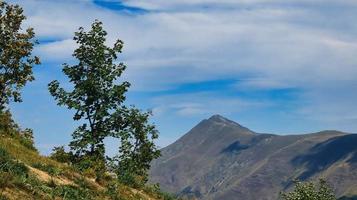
220, 119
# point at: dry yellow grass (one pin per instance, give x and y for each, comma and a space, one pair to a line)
68, 176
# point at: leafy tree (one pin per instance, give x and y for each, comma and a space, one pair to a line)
136, 150
16, 60
310, 191
98, 100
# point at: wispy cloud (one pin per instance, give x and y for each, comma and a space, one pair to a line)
265, 45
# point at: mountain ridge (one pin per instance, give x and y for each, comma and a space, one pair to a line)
220, 159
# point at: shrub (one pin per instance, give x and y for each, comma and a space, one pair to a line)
26, 139
7, 124
60, 155
310, 191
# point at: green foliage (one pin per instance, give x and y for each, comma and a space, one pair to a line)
15, 177
9, 165
7, 124
310, 191
97, 98
59, 154
72, 193
27, 140
137, 150
16, 60
112, 190
95, 95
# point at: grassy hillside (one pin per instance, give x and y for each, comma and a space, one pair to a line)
25, 174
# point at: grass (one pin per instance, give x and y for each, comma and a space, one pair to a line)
24, 174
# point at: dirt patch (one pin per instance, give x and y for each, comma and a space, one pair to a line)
43, 176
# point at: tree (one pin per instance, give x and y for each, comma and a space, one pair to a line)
310, 191
16, 60
98, 100
136, 150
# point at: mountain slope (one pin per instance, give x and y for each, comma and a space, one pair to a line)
26, 175
220, 159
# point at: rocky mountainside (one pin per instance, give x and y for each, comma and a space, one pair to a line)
220, 159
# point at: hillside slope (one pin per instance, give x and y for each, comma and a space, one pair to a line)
220, 159
24, 174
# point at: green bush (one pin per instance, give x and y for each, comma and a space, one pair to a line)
310, 191
7, 124
27, 140
7, 164
60, 155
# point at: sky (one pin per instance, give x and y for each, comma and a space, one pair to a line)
274, 66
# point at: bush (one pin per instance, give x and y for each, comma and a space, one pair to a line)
26, 139
310, 191
7, 124
60, 155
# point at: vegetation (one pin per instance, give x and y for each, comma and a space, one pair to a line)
310, 191
16, 60
98, 99
24, 174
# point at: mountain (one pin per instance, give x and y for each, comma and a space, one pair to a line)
220, 159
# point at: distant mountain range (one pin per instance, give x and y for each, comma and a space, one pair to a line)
221, 160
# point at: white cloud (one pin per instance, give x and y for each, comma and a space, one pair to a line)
204, 103
176, 4
204, 45
310, 45
261, 84
57, 50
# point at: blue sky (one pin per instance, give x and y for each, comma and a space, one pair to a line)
279, 66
